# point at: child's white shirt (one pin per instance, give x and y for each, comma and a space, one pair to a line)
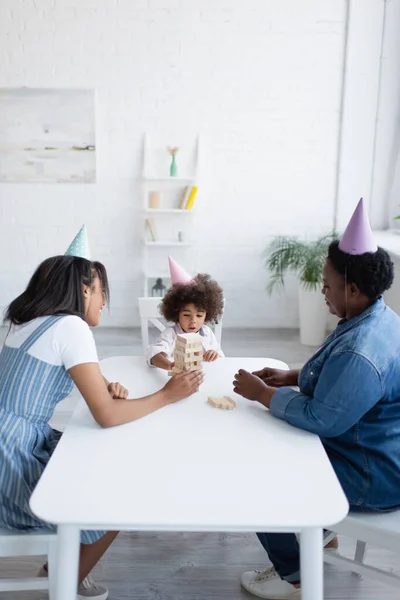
166, 342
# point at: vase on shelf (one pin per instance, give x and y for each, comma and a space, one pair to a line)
173, 169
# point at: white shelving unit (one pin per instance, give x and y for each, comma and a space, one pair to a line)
169, 211
175, 227
168, 179
168, 244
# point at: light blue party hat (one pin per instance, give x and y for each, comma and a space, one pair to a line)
79, 245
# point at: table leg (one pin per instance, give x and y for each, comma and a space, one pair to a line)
52, 569
68, 544
311, 564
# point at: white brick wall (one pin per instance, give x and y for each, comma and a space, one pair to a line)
259, 79
386, 175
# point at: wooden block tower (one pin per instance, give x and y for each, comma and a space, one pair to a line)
188, 353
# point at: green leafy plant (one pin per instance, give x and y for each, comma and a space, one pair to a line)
305, 258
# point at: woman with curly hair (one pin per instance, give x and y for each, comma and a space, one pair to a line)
349, 395
189, 303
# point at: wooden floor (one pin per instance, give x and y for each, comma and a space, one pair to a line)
200, 566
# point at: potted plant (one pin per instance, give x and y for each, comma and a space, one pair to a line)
306, 259
396, 229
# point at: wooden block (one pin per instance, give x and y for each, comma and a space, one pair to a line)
180, 368
175, 370
183, 343
224, 402
189, 338
188, 353
187, 349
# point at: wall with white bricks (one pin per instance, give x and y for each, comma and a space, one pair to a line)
386, 174
260, 80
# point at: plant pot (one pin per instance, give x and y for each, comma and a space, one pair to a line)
313, 317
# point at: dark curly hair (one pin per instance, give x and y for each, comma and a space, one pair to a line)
372, 273
204, 293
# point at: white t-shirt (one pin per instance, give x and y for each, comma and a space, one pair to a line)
68, 342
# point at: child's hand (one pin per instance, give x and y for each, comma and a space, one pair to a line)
210, 355
117, 391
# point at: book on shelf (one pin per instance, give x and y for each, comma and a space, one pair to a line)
152, 229
192, 197
185, 197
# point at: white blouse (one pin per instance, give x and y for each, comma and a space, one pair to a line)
166, 342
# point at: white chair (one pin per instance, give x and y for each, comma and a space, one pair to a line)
382, 530
150, 313
36, 543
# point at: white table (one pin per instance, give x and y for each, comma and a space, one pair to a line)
189, 467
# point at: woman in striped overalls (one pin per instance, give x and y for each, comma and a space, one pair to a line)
49, 348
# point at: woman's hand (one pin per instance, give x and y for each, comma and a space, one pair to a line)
182, 385
117, 391
210, 355
252, 387
277, 377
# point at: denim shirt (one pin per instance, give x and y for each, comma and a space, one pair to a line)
350, 397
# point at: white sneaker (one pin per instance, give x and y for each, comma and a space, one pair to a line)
268, 584
92, 590
88, 589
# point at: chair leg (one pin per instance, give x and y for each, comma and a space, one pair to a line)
144, 326
360, 551
359, 555
52, 565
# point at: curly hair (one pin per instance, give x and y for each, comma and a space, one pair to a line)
372, 273
204, 293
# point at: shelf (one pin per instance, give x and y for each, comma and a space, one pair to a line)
166, 243
151, 275
155, 177
169, 211
170, 179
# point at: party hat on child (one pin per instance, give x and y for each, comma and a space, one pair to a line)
178, 275
358, 238
79, 245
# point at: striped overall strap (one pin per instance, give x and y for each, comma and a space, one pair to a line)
39, 331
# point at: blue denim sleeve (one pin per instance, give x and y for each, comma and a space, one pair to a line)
348, 386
